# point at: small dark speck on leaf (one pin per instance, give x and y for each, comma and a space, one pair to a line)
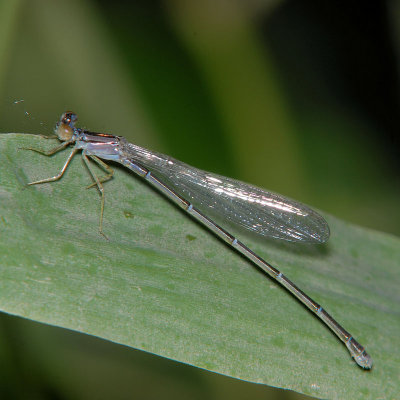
128, 214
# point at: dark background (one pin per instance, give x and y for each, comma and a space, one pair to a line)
299, 97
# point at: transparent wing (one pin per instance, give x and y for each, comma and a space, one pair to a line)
263, 212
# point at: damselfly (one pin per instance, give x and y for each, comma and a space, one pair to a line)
200, 193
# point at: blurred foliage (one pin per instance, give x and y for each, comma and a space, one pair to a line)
296, 96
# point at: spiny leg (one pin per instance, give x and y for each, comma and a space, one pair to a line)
60, 174
106, 167
48, 136
51, 151
101, 190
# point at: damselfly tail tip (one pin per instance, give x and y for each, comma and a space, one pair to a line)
364, 360
361, 357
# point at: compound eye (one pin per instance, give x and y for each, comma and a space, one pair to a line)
68, 118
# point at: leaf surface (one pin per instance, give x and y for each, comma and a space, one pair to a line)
164, 284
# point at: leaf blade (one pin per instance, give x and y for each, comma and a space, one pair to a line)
163, 284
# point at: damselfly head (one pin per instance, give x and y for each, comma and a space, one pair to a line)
64, 129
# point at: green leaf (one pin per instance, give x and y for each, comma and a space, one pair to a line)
164, 284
